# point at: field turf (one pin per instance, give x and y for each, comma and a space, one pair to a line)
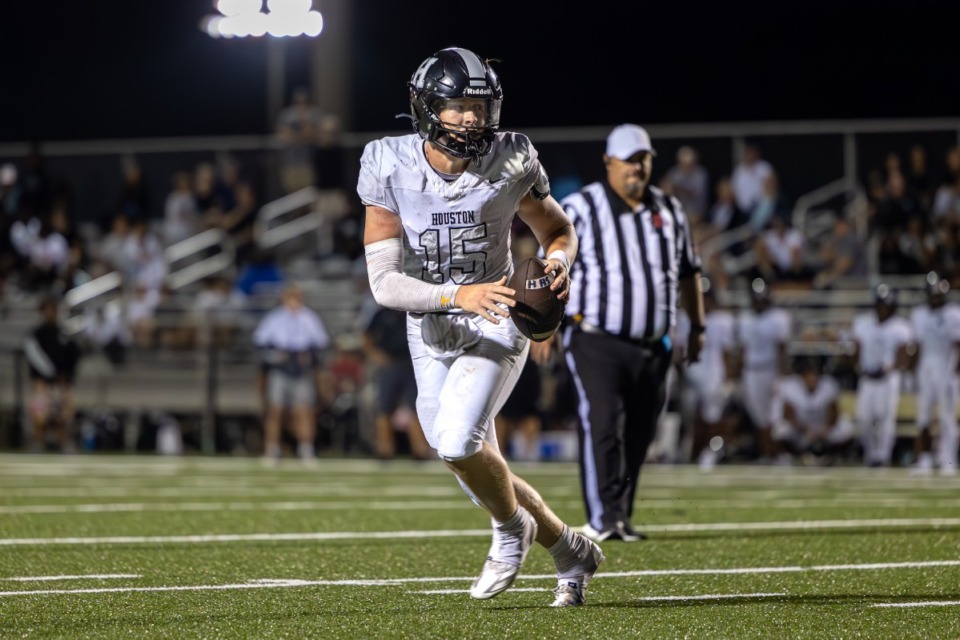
149, 547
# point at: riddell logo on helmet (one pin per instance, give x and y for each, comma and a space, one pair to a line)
477, 91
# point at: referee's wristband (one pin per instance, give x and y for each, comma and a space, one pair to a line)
560, 256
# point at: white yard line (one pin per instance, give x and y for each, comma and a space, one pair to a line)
282, 583
907, 605
460, 533
93, 576
708, 596
138, 507
314, 490
401, 505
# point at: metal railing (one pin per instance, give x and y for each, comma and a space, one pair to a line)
189, 261
284, 219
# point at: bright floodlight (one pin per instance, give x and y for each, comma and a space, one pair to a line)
289, 6
313, 24
243, 18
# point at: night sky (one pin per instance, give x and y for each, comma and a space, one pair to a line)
71, 71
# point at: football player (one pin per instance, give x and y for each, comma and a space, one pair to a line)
705, 391
807, 419
936, 325
440, 203
762, 335
882, 341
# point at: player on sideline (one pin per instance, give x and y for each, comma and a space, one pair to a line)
882, 339
439, 207
936, 326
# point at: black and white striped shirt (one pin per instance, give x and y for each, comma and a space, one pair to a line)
626, 275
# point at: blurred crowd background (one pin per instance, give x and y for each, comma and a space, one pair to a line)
157, 258
163, 265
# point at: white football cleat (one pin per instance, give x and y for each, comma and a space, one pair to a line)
499, 572
571, 590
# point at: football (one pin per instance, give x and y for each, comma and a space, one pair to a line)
538, 312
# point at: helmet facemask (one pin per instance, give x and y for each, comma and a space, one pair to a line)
449, 75
459, 141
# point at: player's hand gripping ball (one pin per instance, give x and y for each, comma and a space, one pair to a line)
538, 312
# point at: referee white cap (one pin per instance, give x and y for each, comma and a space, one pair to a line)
628, 139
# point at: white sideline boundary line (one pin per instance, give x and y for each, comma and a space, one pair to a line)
269, 583
907, 605
93, 576
811, 525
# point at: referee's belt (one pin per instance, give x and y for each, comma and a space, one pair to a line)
875, 374
593, 329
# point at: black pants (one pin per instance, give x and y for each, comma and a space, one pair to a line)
621, 389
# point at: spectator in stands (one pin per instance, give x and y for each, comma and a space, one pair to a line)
919, 244
725, 215
770, 204
109, 250
807, 419
141, 308
142, 257
919, 180
10, 190
691, 184
53, 357
106, 330
180, 214
782, 253
212, 317
897, 205
952, 165
946, 203
385, 345
291, 339
260, 275
842, 255
948, 251
239, 218
332, 201
297, 129
749, 177
47, 252
134, 198
213, 197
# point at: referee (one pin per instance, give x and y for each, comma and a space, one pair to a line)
636, 262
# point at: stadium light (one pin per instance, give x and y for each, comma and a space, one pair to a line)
246, 18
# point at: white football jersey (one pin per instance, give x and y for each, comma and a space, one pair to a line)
457, 231
879, 342
937, 332
760, 336
719, 339
810, 408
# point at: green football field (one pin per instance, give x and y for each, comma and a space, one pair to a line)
150, 547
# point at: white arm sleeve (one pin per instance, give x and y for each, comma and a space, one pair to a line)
396, 290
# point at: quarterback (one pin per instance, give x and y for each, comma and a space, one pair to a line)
439, 207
